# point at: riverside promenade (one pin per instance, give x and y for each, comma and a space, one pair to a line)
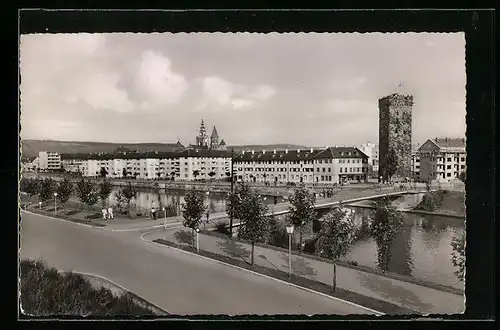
419, 298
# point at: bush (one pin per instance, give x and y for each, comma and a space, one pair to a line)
222, 227
44, 291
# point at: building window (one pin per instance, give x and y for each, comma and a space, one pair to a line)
462, 166
448, 174
341, 170
448, 167
345, 169
329, 169
448, 159
462, 159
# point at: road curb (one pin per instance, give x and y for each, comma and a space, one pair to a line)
141, 299
99, 228
377, 313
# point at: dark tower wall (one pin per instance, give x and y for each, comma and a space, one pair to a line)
395, 128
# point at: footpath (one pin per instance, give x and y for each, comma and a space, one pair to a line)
411, 296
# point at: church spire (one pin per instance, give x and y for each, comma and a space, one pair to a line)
214, 133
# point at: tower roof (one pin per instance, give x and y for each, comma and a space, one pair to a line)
222, 143
214, 133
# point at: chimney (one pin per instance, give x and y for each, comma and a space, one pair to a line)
298, 150
274, 151
243, 152
252, 152
311, 150
263, 152
336, 146
286, 151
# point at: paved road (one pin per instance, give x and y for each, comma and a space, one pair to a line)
180, 283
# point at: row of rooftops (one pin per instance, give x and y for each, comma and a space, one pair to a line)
250, 155
148, 155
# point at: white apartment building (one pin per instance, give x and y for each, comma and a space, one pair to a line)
30, 165
415, 165
203, 165
371, 150
160, 165
49, 161
442, 159
329, 165
73, 162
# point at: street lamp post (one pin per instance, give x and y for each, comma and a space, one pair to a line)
40, 204
197, 240
232, 189
55, 203
289, 230
165, 217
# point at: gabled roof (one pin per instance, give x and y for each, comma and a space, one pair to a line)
445, 143
301, 154
450, 143
222, 142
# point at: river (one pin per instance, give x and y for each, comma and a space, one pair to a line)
421, 250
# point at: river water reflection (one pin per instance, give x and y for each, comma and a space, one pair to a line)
421, 250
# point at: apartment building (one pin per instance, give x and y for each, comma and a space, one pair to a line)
202, 165
371, 150
329, 165
415, 165
73, 162
186, 165
30, 165
49, 161
442, 159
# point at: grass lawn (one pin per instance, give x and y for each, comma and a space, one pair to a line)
46, 292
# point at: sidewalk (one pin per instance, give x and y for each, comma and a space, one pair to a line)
404, 294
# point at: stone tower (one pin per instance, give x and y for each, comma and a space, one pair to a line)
202, 138
214, 139
395, 136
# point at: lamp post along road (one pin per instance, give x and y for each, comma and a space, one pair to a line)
40, 204
232, 189
197, 240
289, 230
164, 217
55, 203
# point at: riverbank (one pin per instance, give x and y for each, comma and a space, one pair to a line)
446, 203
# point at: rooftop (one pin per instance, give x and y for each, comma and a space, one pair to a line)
450, 142
301, 154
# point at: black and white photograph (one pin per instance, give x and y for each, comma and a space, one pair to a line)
242, 174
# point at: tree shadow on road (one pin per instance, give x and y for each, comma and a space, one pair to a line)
299, 266
234, 249
184, 237
398, 294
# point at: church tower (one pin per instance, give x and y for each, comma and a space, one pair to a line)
214, 139
202, 138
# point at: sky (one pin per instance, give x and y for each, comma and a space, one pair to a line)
314, 89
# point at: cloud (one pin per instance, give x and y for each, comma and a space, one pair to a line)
263, 92
156, 81
238, 96
241, 103
71, 68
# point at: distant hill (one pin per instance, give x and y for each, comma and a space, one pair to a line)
258, 147
31, 148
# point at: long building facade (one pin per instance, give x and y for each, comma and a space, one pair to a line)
186, 165
325, 166
442, 159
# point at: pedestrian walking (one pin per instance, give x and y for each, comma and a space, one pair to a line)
104, 214
110, 212
153, 213
208, 215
